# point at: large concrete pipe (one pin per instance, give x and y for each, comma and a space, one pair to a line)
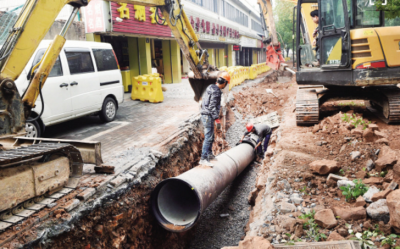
178, 202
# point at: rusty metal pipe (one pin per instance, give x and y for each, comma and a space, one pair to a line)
177, 203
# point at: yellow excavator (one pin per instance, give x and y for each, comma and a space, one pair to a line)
31, 168
359, 58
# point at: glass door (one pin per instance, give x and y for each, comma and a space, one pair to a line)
334, 34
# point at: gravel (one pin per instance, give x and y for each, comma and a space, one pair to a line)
212, 231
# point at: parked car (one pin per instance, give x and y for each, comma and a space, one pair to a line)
85, 80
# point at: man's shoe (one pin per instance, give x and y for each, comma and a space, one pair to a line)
206, 163
211, 157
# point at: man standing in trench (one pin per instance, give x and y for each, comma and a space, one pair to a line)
263, 132
210, 107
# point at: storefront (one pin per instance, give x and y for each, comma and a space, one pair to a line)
142, 46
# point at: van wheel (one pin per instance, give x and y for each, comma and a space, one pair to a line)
109, 110
33, 129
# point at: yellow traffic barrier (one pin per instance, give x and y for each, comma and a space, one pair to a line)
147, 88
287, 59
224, 68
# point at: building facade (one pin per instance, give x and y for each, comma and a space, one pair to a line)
230, 30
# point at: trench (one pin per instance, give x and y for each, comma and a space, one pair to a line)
121, 218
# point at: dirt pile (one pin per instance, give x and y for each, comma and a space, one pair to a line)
302, 189
255, 101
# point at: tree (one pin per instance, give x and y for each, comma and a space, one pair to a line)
283, 16
392, 8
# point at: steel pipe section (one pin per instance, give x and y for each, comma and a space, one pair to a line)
177, 203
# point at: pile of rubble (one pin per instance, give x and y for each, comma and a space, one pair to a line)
335, 181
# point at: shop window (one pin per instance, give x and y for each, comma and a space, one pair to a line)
79, 62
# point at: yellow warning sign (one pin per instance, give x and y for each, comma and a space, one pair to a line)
368, 32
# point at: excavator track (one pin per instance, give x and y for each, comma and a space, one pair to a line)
389, 110
22, 154
34, 158
307, 106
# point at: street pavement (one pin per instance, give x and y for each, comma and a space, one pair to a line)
138, 124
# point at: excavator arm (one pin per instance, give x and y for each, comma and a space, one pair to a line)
275, 59
203, 74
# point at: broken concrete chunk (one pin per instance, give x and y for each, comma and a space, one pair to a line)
379, 211
371, 191
387, 157
370, 165
71, 204
393, 203
324, 166
381, 195
334, 236
117, 181
336, 177
380, 134
360, 202
382, 141
284, 185
368, 135
344, 183
104, 169
373, 180
373, 127
86, 194
355, 155
357, 213
325, 218
287, 208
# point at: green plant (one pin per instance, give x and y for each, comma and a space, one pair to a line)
365, 239
341, 171
312, 229
306, 216
346, 118
377, 230
390, 240
351, 192
383, 173
304, 190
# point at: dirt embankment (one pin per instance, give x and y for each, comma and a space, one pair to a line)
123, 219
292, 181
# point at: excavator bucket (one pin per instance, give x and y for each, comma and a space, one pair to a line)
199, 86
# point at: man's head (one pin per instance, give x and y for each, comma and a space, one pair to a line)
314, 15
223, 80
249, 127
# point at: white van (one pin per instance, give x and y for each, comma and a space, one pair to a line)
85, 80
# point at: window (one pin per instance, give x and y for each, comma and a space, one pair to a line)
79, 62
236, 15
56, 70
367, 15
256, 26
105, 59
332, 13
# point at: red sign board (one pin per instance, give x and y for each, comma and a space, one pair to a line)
236, 47
138, 23
94, 17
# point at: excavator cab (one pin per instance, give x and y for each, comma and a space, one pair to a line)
359, 58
